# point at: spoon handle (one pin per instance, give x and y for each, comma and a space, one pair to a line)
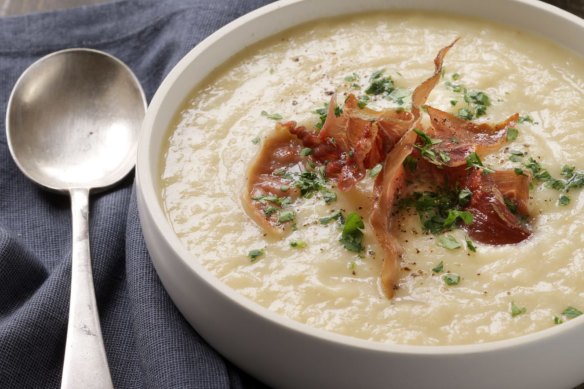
85, 363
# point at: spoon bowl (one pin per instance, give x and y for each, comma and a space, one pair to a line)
72, 126
73, 120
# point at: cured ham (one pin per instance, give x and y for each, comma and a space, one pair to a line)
494, 222
354, 141
460, 138
388, 185
355, 138
268, 191
387, 189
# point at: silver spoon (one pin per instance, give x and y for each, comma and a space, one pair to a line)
72, 126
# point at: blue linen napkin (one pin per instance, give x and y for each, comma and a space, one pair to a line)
148, 342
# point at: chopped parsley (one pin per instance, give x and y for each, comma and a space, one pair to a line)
516, 310
375, 170
426, 148
512, 134
477, 102
448, 242
270, 210
572, 179
451, 279
558, 320
465, 114
464, 197
399, 96
563, 200
439, 211
525, 118
323, 113
256, 140
384, 86
328, 195
571, 312
362, 101
473, 160
298, 244
438, 268
352, 78
380, 84
305, 152
470, 245
516, 156
273, 116
286, 216
454, 215
337, 215
352, 235
255, 254
309, 183
281, 201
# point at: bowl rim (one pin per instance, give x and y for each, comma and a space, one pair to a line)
146, 184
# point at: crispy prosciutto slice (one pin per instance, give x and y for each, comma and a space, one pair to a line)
460, 138
268, 191
387, 188
494, 221
354, 141
389, 184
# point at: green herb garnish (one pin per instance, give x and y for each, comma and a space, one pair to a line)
465, 114
285, 216
362, 102
470, 245
477, 102
448, 242
255, 254
426, 147
298, 244
473, 160
375, 170
571, 312
516, 311
352, 78
352, 235
439, 211
563, 200
438, 268
451, 279
454, 215
379, 84
337, 215
512, 134
309, 183
572, 179
273, 116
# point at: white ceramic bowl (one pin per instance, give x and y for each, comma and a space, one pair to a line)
284, 353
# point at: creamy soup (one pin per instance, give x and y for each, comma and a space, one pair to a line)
449, 295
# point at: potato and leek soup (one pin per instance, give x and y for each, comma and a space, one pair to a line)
404, 178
